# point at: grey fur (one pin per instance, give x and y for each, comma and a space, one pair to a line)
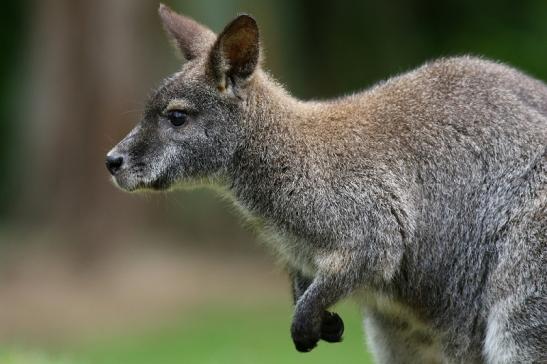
424, 197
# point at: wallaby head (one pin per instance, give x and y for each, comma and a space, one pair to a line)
191, 124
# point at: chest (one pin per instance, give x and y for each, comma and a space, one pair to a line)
390, 324
296, 252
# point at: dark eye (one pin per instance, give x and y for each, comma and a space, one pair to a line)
177, 117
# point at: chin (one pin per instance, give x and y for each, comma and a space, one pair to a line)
123, 184
132, 185
158, 185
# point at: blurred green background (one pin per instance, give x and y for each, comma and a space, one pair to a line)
91, 275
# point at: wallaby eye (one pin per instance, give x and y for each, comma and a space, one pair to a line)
177, 117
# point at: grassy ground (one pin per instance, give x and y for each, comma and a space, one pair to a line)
212, 336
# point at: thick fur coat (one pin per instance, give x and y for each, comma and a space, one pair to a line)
424, 197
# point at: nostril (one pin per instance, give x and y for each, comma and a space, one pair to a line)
113, 163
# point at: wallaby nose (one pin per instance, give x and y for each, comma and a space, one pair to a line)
114, 163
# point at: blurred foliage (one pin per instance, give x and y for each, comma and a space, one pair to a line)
355, 43
12, 46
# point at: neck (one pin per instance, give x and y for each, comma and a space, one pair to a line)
267, 156
269, 104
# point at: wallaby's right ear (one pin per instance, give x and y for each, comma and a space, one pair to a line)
192, 38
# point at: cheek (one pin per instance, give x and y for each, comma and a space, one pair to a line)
188, 139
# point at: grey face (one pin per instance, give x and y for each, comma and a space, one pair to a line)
188, 133
191, 125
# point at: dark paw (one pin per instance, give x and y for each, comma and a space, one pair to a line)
332, 327
304, 338
305, 344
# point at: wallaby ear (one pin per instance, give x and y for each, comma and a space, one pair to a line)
192, 38
235, 55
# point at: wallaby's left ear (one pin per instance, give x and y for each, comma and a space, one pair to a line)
236, 52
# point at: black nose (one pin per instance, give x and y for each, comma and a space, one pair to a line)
113, 163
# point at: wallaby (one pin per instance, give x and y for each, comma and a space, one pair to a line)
423, 197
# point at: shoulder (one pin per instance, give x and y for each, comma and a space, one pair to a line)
461, 76
469, 68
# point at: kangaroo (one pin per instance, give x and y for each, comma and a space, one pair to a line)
423, 197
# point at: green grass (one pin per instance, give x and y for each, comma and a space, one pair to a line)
26, 357
213, 336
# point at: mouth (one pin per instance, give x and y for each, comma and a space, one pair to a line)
159, 184
129, 183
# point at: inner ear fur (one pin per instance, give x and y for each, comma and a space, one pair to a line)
235, 54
